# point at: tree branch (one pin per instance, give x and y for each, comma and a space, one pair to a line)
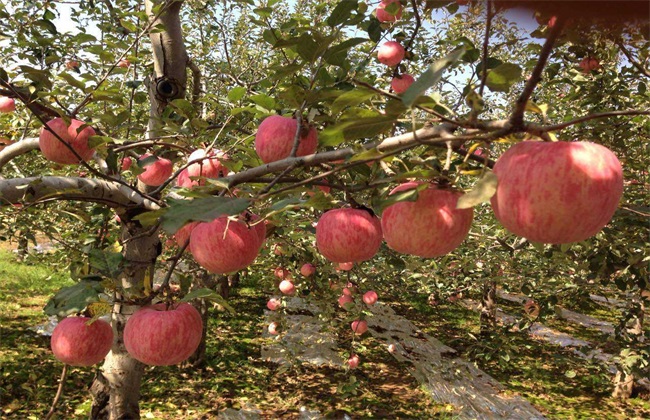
631, 58
486, 43
17, 149
536, 129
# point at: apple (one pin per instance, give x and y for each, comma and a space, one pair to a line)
183, 234
275, 137
287, 287
353, 361
401, 83
210, 167
385, 16
282, 273
345, 266
588, 64
55, 151
258, 227
273, 328
224, 246
307, 270
370, 297
392, 348
72, 65
274, 304
126, 163
348, 235
277, 249
7, 104
159, 335
344, 300
76, 342
124, 63
557, 193
429, 227
359, 326
157, 172
391, 53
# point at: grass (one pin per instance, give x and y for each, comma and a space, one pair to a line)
557, 382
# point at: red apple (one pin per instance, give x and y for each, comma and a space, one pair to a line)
54, 150
76, 343
157, 172
401, 83
72, 65
126, 163
282, 273
7, 104
273, 328
391, 348
558, 192
258, 227
344, 300
161, 336
385, 16
307, 270
183, 234
391, 53
429, 227
348, 235
274, 304
224, 246
210, 167
287, 287
359, 326
353, 361
588, 64
345, 266
277, 249
370, 297
124, 63
275, 137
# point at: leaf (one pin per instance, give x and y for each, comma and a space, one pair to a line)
264, 101
107, 263
430, 77
539, 109
407, 195
206, 209
73, 299
501, 78
342, 12
235, 94
72, 81
209, 295
570, 374
483, 190
352, 97
308, 48
367, 154
367, 124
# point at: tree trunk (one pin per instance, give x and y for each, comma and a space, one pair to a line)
488, 316
116, 389
23, 246
625, 381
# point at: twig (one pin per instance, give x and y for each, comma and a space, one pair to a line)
517, 117
168, 276
59, 391
486, 43
631, 58
533, 128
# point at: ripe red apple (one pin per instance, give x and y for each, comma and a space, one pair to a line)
274, 304
359, 326
348, 235
7, 104
124, 63
391, 53
384, 16
558, 192
353, 361
287, 287
161, 336
344, 300
307, 270
126, 163
183, 234
273, 328
345, 266
259, 228
224, 246
210, 167
277, 249
54, 150
401, 83
282, 273
370, 297
588, 64
275, 137
72, 65
157, 172
76, 343
429, 227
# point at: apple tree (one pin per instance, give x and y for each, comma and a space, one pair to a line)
234, 124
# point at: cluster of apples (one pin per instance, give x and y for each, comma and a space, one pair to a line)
392, 53
156, 335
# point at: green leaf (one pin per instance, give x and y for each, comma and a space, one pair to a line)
570, 374
235, 94
183, 107
367, 154
107, 263
407, 195
352, 97
342, 12
73, 299
308, 48
367, 124
430, 77
483, 190
264, 101
205, 209
72, 81
500, 78
209, 295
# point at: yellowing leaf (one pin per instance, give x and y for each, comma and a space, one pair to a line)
483, 190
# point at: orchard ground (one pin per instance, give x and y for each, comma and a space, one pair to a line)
236, 377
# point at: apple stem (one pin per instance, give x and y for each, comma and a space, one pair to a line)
59, 392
